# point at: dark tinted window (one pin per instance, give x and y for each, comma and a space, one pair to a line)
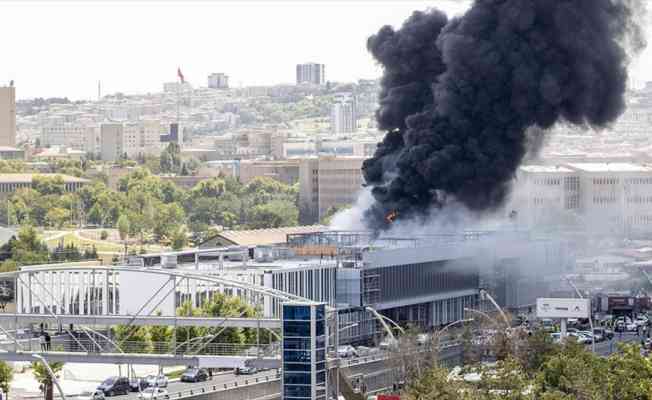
297, 356
301, 313
296, 343
296, 329
296, 367
297, 391
297, 378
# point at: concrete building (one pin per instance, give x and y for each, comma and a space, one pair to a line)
283, 171
9, 183
325, 182
344, 118
311, 73
8, 116
132, 139
111, 143
600, 197
218, 80
11, 153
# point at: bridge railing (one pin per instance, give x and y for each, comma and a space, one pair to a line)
86, 345
247, 386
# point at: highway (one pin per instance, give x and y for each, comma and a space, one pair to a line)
218, 380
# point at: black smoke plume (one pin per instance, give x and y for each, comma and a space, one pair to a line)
458, 96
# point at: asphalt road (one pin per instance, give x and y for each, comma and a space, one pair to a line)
607, 347
217, 380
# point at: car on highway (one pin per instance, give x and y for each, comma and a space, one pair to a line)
556, 337
346, 351
580, 338
115, 385
91, 395
137, 384
363, 351
388, 344
641, 320
194, 374
246, 370
156, 380
153, 393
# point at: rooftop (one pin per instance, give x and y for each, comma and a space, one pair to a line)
27, 178
609, 167
256, 237
545, 168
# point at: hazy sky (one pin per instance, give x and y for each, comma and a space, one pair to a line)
53, 48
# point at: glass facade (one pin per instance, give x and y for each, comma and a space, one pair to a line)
304, 351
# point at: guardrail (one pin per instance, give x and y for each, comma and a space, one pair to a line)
384, 355
216, 388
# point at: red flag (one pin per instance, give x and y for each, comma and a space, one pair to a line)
180, 75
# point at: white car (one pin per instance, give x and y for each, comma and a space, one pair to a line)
91, 395
580, 338
156, 380
153, 393
388, 344
346, 351
641, 320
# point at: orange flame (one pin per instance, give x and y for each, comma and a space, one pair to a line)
391, 217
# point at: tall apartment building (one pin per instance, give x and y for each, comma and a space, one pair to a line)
132, 139
8, 116
344, 116
218, 80
111, 143
326, 182
311, 73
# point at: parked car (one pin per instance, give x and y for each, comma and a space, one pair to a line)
91, 395
346, 351
641, 320
607, 334
153, 393
194, 374
156, 380
246, 370
115, 385
556, 337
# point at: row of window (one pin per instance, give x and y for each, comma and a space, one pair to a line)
604, 199
605, 181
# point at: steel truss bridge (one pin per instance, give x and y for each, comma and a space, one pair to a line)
99, 297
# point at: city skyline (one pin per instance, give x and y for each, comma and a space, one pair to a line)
132, 48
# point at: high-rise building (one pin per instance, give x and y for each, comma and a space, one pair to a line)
344, 116
111, 135
8, 116
132, 139
218, 80
311, 73
327, 182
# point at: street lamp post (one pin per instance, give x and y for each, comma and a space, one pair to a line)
442, 330
484, 314
483, 294
52, 376
579, 294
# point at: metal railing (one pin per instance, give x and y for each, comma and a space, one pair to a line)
86, 345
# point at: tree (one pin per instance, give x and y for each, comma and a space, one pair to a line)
179, 239
123, 227
274, 214
6, 376
46, 185
43, 376
132, 337
56, 217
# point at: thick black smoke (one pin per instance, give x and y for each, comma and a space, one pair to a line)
458, 96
